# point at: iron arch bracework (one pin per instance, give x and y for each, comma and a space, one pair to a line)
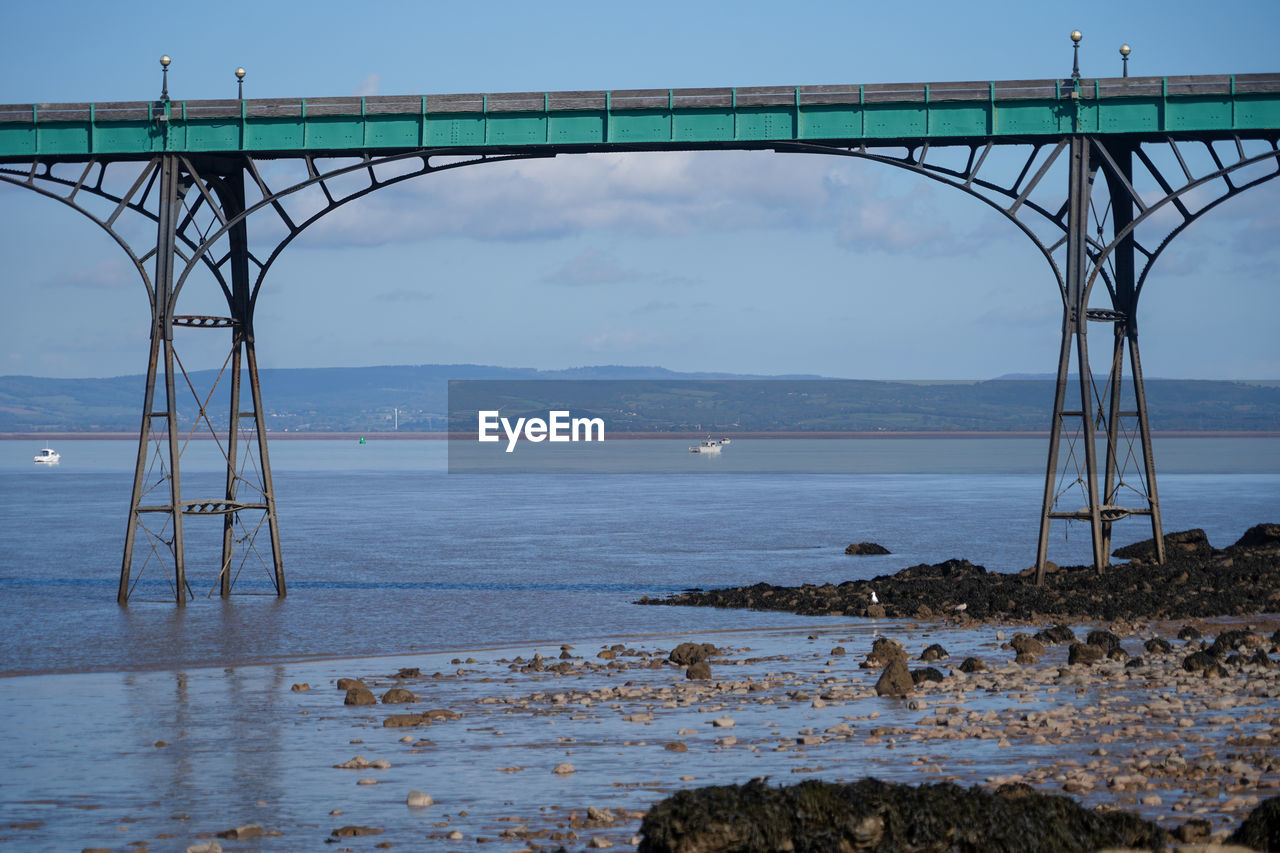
1097, 167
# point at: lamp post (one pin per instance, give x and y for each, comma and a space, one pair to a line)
240, 82
1125, 50
164, 77
1076, 35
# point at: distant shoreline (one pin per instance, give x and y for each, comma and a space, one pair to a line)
634, 436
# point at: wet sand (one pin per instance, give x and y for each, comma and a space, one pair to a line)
160, 761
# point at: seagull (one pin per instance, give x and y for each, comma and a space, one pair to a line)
874, 600
960, 608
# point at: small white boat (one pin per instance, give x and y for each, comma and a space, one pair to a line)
48, 456
709, 445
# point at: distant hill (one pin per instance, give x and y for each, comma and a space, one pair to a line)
365, 399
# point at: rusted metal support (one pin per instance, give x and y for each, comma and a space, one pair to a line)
1075, 323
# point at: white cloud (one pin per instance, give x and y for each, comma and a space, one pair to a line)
864, 206
655, 193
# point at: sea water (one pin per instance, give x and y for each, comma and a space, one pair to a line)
385, 552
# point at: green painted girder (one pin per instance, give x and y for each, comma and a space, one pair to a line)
1215, 106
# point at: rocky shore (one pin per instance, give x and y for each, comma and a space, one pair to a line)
1196, 580
1073, 738
1064, 736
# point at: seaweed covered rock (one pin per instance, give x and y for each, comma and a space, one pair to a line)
1195, 581
1056, 634
1200, 662
1109, 642
1265, 536
1085, 653
870, 815
1175, 544
926, 673
934, 652
885, 651
1261, 829
398, 695
690, 653
1237, 639
896, 679
865, 549
700, 671
1030, 645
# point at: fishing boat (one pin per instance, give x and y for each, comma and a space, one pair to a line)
48, 456
709, 445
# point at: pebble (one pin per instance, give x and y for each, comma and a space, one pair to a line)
723, 722
563, 769
418, 799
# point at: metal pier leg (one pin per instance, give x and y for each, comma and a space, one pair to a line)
1119, 183
1144, 434
233, 436
1090, 446
1114, 381
231, 193
171, 193
231, 197
268, 489
1075, 324
170, 210
1055, 437
144, 441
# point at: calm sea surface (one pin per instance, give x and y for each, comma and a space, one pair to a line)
386, 553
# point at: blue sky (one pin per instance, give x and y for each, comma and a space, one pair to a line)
725, 261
